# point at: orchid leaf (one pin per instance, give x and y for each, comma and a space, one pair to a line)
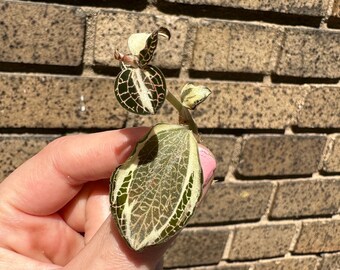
192, 95
136, 42
144, 45
153, 194
141, 91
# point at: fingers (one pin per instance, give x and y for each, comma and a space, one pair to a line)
89, 209
49, 180
108, 250
14, 261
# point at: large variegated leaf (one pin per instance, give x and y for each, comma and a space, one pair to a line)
141, 91
192, 95
153, 194
144, 45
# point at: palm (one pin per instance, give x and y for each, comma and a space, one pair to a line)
57, 237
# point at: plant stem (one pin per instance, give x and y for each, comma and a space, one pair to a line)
184, 114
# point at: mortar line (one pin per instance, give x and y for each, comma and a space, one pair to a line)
234, 160
89, 39
319, 263
296, 236
267, 79
282, 42
327, 151
227, 248
324, 20
264, 218
288, 131
188, 49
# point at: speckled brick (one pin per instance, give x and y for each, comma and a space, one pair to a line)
261, 241
306, 198
304, 263
58, 101
236, 105
222, 147
319, 236
235, 47
231, 202
197, 246
221, 266
330, 261
114, 28
280, 155
310, 53
304, 7
336, 8
41, 34
321, 108
332, 162
15, 149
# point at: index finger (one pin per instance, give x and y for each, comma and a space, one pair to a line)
50, 179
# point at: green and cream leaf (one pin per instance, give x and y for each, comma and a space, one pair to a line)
141, 91
192, 95
153, 194
144, 45
137, 41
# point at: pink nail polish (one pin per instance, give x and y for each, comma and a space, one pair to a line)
208, 163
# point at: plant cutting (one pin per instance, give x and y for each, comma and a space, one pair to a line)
155, 192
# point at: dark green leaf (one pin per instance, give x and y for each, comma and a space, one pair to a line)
141, 91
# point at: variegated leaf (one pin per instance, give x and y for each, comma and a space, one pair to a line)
153, 194
141, 91
192, 95
145, 44
137, 41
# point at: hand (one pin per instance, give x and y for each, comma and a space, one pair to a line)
55, 211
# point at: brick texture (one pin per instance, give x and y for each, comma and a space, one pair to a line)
319, 236
197, 246
41, 34
330, 261
230, 202
307, 263
222, 147
14, 150
310, 53
235, 47
332, 162
275, 155
336, 8
307, 198
305, 7
237, 105
234, 266
272, 120
261, 241
56, 102
321, 108
113, 31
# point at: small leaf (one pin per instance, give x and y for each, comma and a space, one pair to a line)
136, 42
145, 44
153, 194
141, 91
192, 95
146, 55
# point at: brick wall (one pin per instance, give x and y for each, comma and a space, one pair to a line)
273, 120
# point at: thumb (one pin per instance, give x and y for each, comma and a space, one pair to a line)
108, 250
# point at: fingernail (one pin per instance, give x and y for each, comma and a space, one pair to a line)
208, 163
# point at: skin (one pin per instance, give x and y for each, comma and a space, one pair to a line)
54, 210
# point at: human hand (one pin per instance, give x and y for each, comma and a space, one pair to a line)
55, 211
